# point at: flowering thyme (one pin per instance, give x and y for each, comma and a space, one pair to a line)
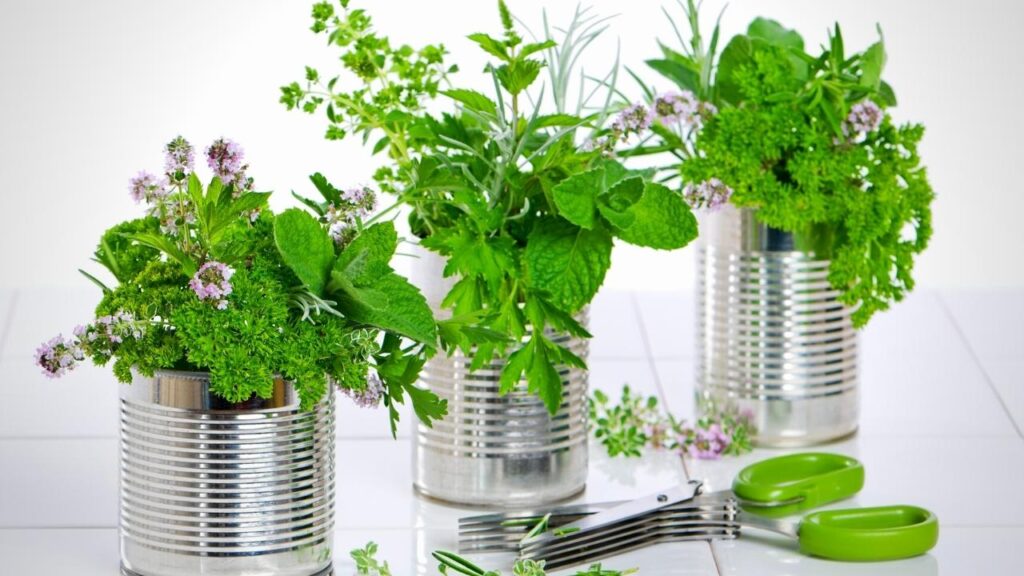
710, 194
213, 282
145, 187
865, 116
356, 203
179, 159
58, 356
635, 119
368, 397
636, 422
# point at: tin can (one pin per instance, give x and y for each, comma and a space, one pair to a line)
210, 487
774, 341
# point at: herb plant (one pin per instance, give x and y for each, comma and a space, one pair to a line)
805, 139
211, 280
517, 194
635, 423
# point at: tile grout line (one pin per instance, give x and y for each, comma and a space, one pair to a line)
652, 364
977, 361
714, 557
8, 321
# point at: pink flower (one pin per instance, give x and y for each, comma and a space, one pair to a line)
710, 194
370, 396
709, 444
213, 282
58, 356
865, 116
225, 159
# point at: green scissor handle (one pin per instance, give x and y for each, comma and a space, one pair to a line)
859, 534
789, 484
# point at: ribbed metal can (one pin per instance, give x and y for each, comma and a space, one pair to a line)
774, 341
498, 450
211, 488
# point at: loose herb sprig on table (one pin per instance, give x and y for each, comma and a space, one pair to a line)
451, 563
517, 195
210, 280
806, 140
636, 423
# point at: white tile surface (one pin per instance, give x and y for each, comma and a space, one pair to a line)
991, 321
1008, 379
678, 381
49, 552
609, 479
609, 376
41, 313
669, 319
7, 297
983, 551
615, 327
66, 483
84, 403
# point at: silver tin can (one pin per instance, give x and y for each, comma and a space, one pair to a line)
498, 450
213, 488
774, 341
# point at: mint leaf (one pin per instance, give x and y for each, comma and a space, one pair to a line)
662, 220
575, 197
473, 100
616, 206
368, 256
305, 247
567, 262
389, 302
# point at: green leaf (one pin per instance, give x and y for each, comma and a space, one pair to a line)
511, 374
662, 220
561, 120
775, 33
535, 47
473, 100
736, 55
518, 75
617, 205
576, 196
490, 45
567, 262
305, 247
886, 95
684, 77
168, 247
872, 62
331, 194
368, 256
390, 303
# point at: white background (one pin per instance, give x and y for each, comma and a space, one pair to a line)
91, 91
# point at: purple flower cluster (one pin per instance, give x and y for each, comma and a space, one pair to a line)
225, 158
179, 159
213, 282
356, 203
682, 108
58, 356
707, 444
635, 119
370, 396
145, 187
864, 117
710, 194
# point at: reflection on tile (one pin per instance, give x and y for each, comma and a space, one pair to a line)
991, 321
58, 483
81, 552
938, 473
917, 327
409, 552
614, 325
41, 313
987, 551
6, 299
670, 320
1008, 379
82, 403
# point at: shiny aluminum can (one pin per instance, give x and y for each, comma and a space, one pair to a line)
774, 341
211, 488
498, 450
